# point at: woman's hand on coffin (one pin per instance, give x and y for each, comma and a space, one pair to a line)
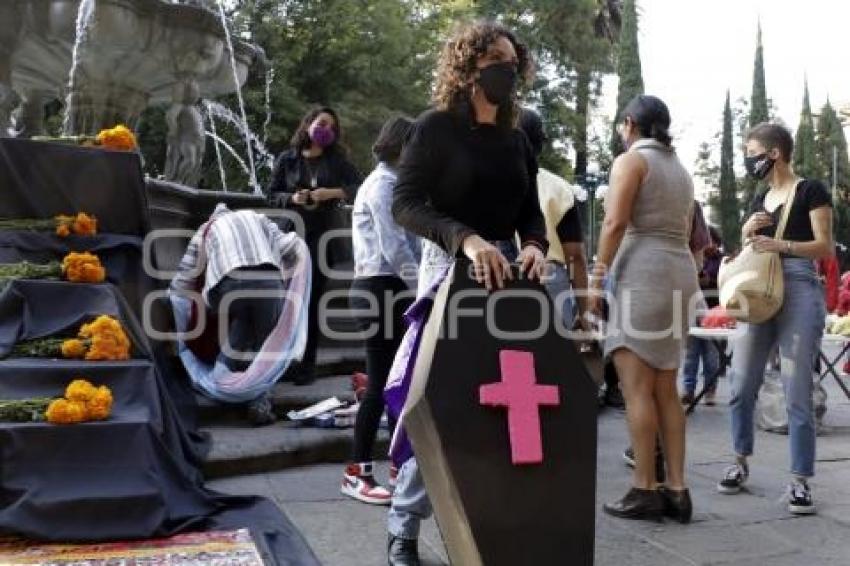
532, 262
490, 267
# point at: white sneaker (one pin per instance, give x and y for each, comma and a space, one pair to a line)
734, 478
359, 483
800, 498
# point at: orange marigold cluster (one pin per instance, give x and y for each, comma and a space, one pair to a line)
83, 268
82, 402
74, 349
105, 339
120, 137
82, 225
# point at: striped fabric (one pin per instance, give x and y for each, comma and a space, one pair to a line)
287, 340
235, 239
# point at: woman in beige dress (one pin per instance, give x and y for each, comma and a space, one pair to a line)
652, 278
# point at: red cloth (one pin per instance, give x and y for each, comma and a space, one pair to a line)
828, 269
717, 318
843, 306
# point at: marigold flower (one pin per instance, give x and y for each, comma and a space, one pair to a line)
108, 339
80, 390
83, 268
99, 407
63, 411
63, 231
120, 137
73, 349
84, 225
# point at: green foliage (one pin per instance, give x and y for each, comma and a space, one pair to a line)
572, 48
728, 205
759, 112
23, 410
805, 161
628, 68
833, 158
371, 59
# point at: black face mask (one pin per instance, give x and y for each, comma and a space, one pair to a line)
498, 81
759, 166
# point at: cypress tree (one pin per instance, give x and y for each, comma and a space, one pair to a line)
759, 112
628, 68
728, 206
805, 151
834, 161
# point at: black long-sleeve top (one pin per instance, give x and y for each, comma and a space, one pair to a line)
293, 172
457, 178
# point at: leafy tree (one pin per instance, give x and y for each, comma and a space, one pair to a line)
628, 68
833, 157
728, 205
572, 44
370, 59
759, 112
805, 160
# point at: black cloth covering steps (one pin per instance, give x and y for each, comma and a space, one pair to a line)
41, 180
136, 475
120, 255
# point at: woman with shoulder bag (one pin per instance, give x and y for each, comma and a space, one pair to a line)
797, 327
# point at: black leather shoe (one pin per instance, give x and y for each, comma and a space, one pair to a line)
638, 504
677, 504
402, 551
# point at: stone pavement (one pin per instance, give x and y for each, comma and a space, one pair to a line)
750, 529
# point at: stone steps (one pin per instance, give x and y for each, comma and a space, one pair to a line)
240, 449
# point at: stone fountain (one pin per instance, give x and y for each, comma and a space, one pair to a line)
126, 55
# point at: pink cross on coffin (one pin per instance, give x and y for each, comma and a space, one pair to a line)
519, 392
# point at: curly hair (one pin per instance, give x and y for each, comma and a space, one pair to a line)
457, 66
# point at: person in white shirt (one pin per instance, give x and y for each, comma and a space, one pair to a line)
386, 266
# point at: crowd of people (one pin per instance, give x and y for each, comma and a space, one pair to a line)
462, 180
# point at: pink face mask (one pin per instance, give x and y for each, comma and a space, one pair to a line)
322, 136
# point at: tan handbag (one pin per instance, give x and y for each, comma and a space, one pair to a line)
751, 285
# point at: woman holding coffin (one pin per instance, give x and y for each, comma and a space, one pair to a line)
467, 185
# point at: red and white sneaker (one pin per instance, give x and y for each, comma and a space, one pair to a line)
359, 483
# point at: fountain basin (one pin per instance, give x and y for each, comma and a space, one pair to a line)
134, 53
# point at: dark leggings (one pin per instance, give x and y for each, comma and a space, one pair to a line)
250, 319
317, 287
386, 329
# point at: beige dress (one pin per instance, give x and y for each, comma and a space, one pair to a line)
653, 277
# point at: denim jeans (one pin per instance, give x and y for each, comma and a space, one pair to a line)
559, 288
410, 502
797, 330
250, 319
695, 350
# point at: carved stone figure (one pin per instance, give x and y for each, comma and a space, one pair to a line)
185, 153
